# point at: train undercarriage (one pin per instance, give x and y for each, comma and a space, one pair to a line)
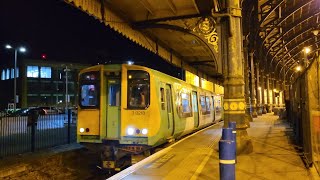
116, 157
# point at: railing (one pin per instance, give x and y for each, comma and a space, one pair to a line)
18, 135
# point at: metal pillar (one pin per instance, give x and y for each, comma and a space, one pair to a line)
268, 94
263, 87
246, 78
234, 101
273, 92
254, 113
279, 90
258, 89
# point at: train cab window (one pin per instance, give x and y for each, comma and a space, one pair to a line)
138, 89
89, 90
89, 95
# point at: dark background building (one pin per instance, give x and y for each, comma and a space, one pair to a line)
40, 83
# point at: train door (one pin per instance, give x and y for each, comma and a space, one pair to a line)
195, 108
213, 109
113, 108
169, 109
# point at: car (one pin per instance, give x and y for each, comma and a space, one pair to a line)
44, 110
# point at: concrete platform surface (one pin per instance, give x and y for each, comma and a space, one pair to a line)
196, 157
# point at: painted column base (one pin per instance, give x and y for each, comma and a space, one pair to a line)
264, 109
254, 113
269, 108
259, 110
244, 143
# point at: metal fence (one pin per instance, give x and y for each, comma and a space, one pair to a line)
304, 112
18, 135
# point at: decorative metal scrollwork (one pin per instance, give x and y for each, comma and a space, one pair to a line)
206, 27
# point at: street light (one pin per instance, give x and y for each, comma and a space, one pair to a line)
20, 49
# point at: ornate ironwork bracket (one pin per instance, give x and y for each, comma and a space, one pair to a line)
206, 27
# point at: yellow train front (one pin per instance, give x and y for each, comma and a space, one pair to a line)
130, 109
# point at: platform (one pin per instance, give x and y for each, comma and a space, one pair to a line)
197, 156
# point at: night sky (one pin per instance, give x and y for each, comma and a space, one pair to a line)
63, 33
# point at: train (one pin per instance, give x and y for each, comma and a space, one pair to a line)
130, 109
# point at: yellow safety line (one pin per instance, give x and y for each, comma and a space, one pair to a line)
203, 163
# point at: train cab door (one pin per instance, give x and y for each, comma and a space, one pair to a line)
169, 109
195, 108
113, 108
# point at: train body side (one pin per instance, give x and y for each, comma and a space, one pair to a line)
175, 108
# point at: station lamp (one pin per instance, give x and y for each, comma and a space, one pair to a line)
16, 50
298, 68
307, 50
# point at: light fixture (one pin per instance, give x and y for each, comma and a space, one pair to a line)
307, 50
298, 68
22, 49
8, 46
315, 32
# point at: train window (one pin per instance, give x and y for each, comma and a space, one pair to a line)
114, 94
168, 95
138, 89
186, 105
203, 104
208, 111
89, 95
162, 99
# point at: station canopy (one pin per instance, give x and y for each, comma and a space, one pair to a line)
180, 31
187, 33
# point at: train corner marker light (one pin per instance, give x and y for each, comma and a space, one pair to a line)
81, 130
130, 131
144, 131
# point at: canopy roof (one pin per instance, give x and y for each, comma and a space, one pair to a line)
187, 32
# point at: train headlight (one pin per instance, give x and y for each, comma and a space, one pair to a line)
144, 131
81, 130
130, 131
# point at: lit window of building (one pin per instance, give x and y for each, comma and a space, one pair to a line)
17, 72
45, 72
3, 75
8, 74
12, 73
32, 71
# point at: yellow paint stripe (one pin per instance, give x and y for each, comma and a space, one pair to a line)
200, 168
227, 161
233, 112
228, 100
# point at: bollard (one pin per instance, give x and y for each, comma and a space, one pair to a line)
233, 125
227, 134
227, 159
